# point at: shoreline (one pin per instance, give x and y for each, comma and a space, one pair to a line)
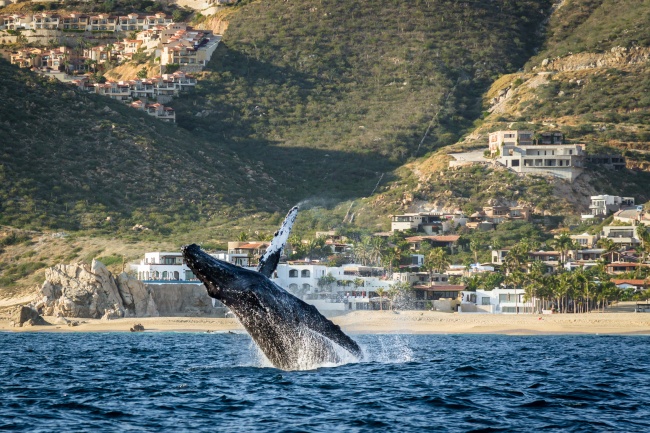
385, 322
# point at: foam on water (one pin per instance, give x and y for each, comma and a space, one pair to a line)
388, 349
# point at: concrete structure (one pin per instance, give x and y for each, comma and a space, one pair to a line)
508, 301
631, 215
622, 235
428, 223
445, 241
585, 240
612, 162
487, 218
168, 267
517, 151
603, 205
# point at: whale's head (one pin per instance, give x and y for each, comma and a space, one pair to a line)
220, 278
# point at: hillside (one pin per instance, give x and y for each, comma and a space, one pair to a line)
75, 161
350, 108
343, 92
590, 80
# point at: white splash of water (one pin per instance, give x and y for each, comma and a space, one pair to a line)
388, 349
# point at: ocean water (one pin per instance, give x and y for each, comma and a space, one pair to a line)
175, 382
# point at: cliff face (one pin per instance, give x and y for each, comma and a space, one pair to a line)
84, 291
80, 290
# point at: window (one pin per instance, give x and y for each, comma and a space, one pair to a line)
485, 300
293, 273
515, 163
305, 273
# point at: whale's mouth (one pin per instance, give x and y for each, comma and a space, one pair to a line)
214, 273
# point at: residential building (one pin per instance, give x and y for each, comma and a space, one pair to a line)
103, 23
46, 21
517, 151
499, 139
622, 235
585, 240
612, 162
499, 300
120, 91
445, 241
75, 21
487, 218
170, 267
603, 205
157, 110
191, 49
418, 222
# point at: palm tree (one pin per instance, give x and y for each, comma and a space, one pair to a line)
377, 247
563, 244
475, 246
437, 260
608, 245
381, 292
362, 250
644, 235
517, 279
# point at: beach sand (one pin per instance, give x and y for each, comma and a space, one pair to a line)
385, 322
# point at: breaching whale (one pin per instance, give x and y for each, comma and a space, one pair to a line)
291, 333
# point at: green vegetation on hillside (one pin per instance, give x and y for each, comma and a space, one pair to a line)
76, 161
333, 94
596, 26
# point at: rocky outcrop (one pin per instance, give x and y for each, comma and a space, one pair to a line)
27, 316
91, 291
80, 290
615, 58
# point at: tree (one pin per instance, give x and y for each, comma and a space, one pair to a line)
607, 244
142, 73
437, 260
381, 292
563, 244
326, 281
243, 237
475, 246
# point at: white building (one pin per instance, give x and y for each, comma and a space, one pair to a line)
341, 293
507, 301
350, 287
605, 204
517, 151
622, 235
169, 267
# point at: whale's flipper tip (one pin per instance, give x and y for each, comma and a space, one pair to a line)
269, 262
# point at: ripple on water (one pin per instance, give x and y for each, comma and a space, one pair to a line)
202, 382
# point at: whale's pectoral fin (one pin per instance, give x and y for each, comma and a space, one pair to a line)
271, 257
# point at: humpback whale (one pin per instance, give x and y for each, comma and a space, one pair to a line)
291, 333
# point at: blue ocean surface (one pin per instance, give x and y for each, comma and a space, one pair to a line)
175, 382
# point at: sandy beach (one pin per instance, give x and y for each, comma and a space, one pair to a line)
385, 322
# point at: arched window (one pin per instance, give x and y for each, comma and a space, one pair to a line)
305, 273
293, 273
293, 287
306, 287
164, 275
156, 275
176, 277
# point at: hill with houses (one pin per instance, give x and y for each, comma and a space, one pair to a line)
359, 110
